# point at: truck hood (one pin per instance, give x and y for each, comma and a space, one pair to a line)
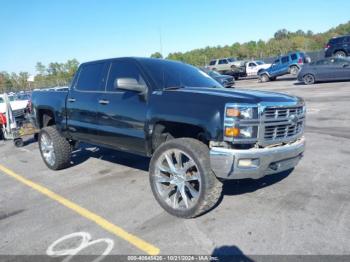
241, 96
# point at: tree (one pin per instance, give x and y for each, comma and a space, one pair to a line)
156, 55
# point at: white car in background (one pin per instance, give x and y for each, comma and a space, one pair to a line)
18, 106
253, 67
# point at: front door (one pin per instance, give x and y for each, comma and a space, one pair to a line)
122, 113
82, 101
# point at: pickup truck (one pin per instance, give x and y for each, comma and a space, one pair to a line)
197, 133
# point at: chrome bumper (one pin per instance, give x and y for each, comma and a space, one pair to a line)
225, 162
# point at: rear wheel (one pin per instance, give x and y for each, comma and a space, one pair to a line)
309, 79
54, 148
181, 178
340, 54
294, 70
264, 78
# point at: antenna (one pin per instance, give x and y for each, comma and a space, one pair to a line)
160, 41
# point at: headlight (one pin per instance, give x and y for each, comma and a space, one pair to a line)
240, 112
241, 122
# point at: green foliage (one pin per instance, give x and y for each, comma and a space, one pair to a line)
54, 74
156, 55
282, 42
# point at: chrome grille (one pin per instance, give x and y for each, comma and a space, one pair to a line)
281, 124
282, 112
18, 113
278, 132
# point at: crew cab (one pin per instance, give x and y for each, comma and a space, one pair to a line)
196, 132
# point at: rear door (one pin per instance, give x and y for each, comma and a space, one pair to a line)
347, 45
122, 113
82, 101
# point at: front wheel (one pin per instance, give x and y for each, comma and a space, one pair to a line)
309, 79
264, 78
54, 148
181, 178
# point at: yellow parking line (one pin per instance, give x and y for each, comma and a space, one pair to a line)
118, 231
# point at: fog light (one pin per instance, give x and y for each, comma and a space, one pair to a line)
232, 131
248, 162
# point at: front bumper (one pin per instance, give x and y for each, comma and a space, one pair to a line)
225, 162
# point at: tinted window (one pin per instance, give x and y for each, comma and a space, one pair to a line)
340, 61
213, 62
90, 77
222, 61
294, 56
276, 61
231, 59
285, 59
123, 69
2, 100
167, 73
338, 40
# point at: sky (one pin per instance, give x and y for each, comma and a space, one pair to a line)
58, 30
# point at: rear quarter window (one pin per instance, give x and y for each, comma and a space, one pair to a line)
213, 62
338, 40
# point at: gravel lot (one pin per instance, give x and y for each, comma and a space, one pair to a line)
306, 211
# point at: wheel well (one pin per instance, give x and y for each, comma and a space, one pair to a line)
164, 131
46, 118
342, 50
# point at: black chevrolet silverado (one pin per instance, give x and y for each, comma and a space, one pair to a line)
196, 132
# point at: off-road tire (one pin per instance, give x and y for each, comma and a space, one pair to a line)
211, 187
61, 146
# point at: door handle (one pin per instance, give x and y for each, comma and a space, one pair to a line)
103, 102
71, 100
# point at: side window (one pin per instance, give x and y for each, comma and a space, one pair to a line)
123, 69
294, 56
276, 61
252, 65
285, 59
322, 62
223, 61
213, 62
91, 77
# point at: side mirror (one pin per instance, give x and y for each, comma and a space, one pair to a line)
130, 84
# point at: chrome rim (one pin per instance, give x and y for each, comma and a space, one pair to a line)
308, 79
46, 146
177, 179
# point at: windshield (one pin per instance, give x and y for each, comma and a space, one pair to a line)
213, 73
168, 73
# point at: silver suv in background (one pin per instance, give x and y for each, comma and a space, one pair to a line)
224, 65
